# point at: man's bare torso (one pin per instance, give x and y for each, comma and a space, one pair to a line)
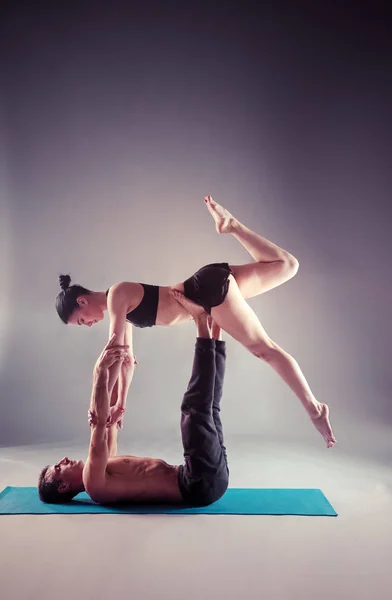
138, 480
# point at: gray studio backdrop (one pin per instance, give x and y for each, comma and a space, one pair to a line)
116, 122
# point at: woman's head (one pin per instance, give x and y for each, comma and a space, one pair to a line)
76, 305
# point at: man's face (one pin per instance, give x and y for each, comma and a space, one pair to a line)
68, 472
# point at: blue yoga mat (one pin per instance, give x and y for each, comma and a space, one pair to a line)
236, 501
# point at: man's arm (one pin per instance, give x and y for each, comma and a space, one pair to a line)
113, 429
95, 469
112, 440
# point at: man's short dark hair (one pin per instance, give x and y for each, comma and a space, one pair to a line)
48, 489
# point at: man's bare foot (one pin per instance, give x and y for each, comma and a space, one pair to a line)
195, 310
322, 424
203, 325
216, 331
203, 321
224, 221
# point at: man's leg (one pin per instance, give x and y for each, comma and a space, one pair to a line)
203, 478
220, 366
207, 327
197, 423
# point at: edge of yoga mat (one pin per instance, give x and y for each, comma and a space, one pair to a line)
236, 501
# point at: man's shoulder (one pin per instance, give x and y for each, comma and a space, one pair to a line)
101, 491
97, 492
94, 480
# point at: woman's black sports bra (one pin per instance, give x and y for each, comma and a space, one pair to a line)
145, 314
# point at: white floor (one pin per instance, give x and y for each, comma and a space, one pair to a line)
209, 557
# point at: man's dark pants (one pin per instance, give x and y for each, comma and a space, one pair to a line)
204, 477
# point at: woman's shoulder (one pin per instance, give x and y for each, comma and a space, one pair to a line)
123, 286
124, 290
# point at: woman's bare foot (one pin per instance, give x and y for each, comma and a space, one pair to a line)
195, 310
322, 424
224, 220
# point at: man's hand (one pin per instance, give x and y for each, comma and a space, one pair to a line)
127, 363
110, 354
194, 310
92, 417
116, 416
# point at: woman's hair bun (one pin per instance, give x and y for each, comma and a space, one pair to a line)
65, 280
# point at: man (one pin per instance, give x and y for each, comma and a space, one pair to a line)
110, 479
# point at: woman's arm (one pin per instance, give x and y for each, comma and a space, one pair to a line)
117, 308
127, 370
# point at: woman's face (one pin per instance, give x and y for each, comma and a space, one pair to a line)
86, 314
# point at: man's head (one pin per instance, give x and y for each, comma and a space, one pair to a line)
61, 482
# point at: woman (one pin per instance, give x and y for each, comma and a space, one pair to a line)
220, 290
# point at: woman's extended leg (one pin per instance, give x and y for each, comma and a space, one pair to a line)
236, 317
273, 265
